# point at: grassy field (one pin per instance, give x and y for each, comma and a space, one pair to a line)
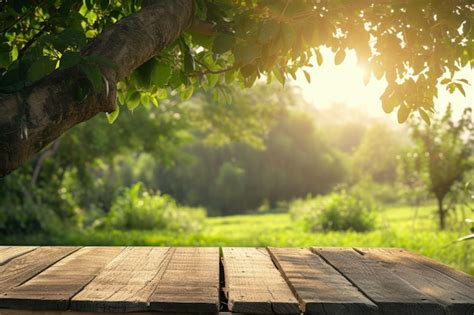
397, 227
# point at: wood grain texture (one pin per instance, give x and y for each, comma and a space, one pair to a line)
320, 289
8, 253
254, 285
189, 282
125, 284
457, 275
392, 294
455, 295
53, 288
25, 267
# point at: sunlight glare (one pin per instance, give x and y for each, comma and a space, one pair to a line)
331, 84
341, 84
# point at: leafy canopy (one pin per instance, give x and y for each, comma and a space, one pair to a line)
413, 44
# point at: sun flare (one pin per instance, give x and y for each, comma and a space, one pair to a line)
344, 83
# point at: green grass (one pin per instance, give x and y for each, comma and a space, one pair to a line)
397, 227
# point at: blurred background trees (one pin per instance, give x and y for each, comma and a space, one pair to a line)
174, 169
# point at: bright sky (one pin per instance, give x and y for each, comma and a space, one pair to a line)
344, 84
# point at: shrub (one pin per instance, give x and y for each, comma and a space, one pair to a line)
334, 212
385, 193
26, 209
135, 209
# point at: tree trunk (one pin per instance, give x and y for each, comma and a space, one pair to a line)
441, 214
32, 118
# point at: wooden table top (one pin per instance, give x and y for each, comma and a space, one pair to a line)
79, 280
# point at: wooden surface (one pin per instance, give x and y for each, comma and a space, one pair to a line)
254, 285
189, 283
317, 285
169, 280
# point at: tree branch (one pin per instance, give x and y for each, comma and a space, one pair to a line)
49, 107
43, 157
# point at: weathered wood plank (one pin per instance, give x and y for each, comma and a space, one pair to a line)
25, 267
8, 253
320, 289
254, 285
59, 312
53, 288
392, 294
433, 264
455, 295
125, 284
189, 282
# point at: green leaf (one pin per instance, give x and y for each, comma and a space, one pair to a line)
248, 53
288, 35
89, 4
154, 101
188, 59
4, 55
161, 74
424, 116
340, 56
141, 77
248, 70
403, 113
69, 59
279, 75
94, 76
161, 94
319, 57
177, 79
70, 37
145, 99
111, 117
445, 81
268, 31
223, 43
133, 100
188, 63
200, 9
104, 4
307, 76
202, 40
212, 79
40, 68
460, 88
186, 93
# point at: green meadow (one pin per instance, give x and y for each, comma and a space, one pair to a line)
398, 226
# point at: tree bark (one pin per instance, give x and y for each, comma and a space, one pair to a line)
441, 214
32, 118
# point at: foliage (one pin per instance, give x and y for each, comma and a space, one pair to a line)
26, 208
66, 177
413, 44
335, 212
239, 177
445, 152
410, 176
134, 209
376, 155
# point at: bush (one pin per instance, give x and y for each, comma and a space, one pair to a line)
334, 212
27, 209
137, 210
385, 193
